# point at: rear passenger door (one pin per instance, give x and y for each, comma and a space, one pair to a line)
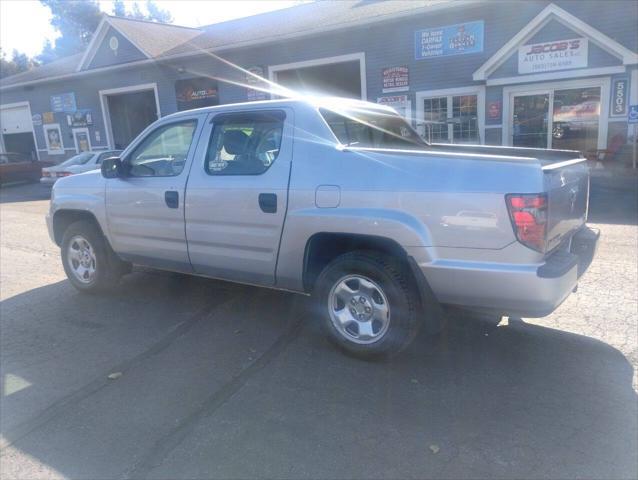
237, 195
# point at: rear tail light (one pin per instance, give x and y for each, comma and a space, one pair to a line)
64, 174
528, 213
45, 174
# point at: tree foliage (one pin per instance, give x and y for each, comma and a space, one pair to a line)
76, 20
18, 63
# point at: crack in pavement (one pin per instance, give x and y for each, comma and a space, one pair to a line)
166, 444
63, 405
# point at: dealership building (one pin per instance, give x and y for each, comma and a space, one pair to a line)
561, 74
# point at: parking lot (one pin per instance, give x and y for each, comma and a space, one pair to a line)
176, 377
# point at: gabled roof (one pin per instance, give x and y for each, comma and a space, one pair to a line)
554, 13
150, 38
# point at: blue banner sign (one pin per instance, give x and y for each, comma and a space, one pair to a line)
64, 102
451, 40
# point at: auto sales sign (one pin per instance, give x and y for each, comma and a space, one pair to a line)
550, 56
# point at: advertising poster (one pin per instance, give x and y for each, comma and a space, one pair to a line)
63, 102
82, 140
80, 118
550, 56
196, 93
459, 39
396, 79
494, 110
47, 117
53, 138
253, 95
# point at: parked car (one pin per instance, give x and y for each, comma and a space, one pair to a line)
17, 167
82, 162
340, 199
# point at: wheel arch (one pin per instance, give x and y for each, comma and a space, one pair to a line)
64, 217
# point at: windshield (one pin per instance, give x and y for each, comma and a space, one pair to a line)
371, 129
80, 159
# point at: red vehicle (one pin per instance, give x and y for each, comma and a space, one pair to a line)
16, 167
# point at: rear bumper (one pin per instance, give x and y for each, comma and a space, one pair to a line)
510, 289
48, 180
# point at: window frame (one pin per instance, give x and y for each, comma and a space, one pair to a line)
129, 155
216, 120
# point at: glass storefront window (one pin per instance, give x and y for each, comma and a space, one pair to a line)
435, 116
530, 120
451, 119
575, 119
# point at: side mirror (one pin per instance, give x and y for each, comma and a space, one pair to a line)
112, 167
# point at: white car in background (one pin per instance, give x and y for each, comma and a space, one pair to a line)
82, 162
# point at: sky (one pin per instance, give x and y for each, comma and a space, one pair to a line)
15, 15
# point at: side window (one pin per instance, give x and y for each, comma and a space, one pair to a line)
244, 143
163, 152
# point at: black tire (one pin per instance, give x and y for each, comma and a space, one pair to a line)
108, 267
397, 286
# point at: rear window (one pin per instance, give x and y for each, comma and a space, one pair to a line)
371, 129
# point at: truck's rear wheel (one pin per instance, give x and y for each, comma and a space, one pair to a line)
368, 304
88, 262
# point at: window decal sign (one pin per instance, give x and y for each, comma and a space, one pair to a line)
459, 39
619, 97
396, 79
196, 93
80, 118
550, 56
401, 103
252, 94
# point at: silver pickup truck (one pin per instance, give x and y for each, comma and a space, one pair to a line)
340, 199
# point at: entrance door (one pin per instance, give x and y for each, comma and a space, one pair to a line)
145, 209
531, 120
451, 119
566, 119
237, 195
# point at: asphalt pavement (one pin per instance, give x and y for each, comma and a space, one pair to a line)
178, 377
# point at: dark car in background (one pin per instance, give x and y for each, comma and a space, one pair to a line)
16, 167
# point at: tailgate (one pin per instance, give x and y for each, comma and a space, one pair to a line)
567, 187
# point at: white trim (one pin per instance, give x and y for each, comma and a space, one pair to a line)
633, 88
604, 83
500, 125
35, 138
360, 56
52, 126
562, 75
95, 42
549, 13
114, 91
478, 90
75, 140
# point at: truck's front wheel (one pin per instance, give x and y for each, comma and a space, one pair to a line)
368, 304
88, 262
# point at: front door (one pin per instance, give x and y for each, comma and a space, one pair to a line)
237, 195
565, 119
145, 209
531, 120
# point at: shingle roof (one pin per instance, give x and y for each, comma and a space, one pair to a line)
301, 19
152, 37
160, 40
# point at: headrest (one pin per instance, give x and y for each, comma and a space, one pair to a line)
235, 142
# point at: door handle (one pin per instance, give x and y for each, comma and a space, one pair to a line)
268, 202
171, 198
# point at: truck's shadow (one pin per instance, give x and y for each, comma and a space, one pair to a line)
522, 401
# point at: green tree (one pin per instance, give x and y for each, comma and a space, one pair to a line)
18, 63
76, 20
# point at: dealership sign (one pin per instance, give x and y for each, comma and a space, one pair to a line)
450, 40
64, 102
396, 79
550, 56
401, 103
196, 93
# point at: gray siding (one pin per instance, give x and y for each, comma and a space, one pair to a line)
125, 53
